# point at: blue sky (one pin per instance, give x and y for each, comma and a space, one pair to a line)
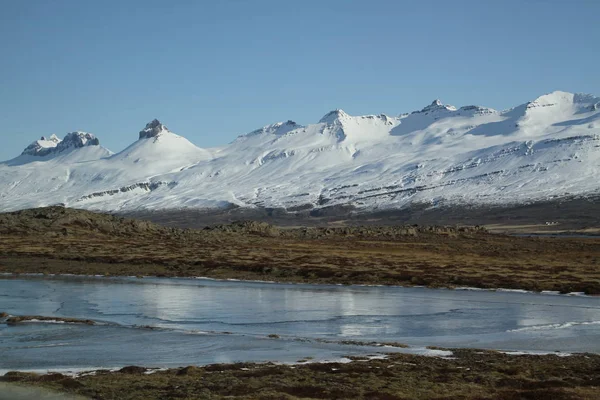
213, 70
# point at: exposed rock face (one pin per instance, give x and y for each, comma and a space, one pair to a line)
147, 186
77, 140
54, 145
436, 105
42, 146
152, 129
477, 110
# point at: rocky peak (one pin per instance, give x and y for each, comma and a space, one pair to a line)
42, 146
473, 109
382, 117
53, 144
153, 129
333, 116
437, 105
79, 139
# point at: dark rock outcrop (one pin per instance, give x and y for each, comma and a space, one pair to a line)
53, 145
152, 129
133, 369
248, 227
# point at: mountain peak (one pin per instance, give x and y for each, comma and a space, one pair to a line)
469, 157
551, 99
79, 139
586, 102
477, 110
278, 128
333, 116
153, 129
42, 146
53, 144
437, 105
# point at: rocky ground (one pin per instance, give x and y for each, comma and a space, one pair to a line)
564, 215
60, 240
467, 374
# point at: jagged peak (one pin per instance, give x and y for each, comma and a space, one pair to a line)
41, 147
153, 129
586, 98
289, 122
79, 139
333, 116
436, 105
53, 144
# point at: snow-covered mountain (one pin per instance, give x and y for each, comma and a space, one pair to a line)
543, 149
53, 145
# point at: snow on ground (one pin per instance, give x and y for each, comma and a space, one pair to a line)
543, 149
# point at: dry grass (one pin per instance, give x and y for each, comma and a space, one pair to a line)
359, 255
470, 374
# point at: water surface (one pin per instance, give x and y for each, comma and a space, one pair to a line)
202, 321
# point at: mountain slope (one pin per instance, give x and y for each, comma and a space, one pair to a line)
441, 154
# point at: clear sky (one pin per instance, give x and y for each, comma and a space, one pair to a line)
211, 70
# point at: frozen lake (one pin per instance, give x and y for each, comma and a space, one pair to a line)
202, 321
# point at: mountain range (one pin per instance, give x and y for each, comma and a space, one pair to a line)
548, 148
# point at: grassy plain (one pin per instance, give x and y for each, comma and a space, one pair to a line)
57, 240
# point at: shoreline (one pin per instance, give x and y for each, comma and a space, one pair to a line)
466, 373
42, 266
427, 351
12, 275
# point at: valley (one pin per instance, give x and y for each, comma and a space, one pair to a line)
58, 240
